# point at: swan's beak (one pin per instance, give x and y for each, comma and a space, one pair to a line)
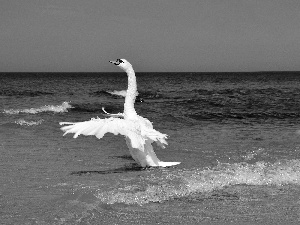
115, 62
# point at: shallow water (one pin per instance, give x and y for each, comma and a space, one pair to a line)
235, 134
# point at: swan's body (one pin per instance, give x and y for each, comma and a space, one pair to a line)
138, 131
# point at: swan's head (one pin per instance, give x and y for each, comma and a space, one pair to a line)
122, 63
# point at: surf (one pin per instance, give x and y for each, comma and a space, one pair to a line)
165, 185
23, 122
47, 108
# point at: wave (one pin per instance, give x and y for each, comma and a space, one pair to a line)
244, 104
187, 183
248, 91
123, 95
47, 108
118, 93
100, 93
152, 95
115, 94
141, 94
244, 116
23, 122
96, 108
110, 93
26, 93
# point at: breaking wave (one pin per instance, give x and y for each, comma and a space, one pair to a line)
188, 183
118, 93
23, 122
47, 108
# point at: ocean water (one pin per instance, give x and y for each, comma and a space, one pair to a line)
236, 135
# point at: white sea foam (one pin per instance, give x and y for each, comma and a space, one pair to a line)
184, 183
47, 108
118, 93
23, 122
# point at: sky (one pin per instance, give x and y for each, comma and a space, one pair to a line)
154, 35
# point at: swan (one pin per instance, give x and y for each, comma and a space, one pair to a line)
138, 131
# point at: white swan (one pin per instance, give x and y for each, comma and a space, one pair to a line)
138, 131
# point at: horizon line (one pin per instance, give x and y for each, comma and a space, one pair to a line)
262, 71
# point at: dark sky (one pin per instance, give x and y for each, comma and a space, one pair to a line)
154, 35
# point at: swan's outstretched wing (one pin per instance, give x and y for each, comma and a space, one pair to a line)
136, 131
99, 127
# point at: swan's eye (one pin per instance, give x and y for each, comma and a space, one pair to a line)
120, 60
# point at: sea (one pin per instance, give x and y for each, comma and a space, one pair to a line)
237, 136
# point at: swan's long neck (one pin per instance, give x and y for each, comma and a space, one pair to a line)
129, 110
